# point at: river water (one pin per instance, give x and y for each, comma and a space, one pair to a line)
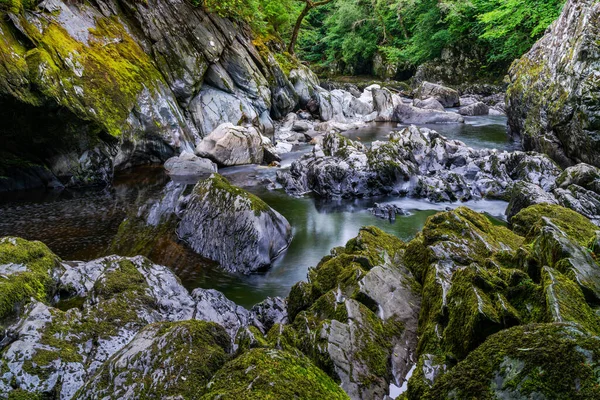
82, 224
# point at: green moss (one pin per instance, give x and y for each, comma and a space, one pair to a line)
219, 190
99, 81
565, 301
33, 266
187, 354
553, 361
272, 374
530, 221
286, 62
24, 395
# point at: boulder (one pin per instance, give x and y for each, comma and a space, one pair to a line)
191, 351
188, 165
446, 96
230, 145
232, 227
407, 114
474, 109
428, 104
503, 369
383, 104
551, 101
29, 271
526, 194
272, 374
356, 317
468, 100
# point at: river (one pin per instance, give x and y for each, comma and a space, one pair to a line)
82, 224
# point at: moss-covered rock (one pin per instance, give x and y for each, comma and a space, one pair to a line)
272, 374
163, 360
356, 316
530, 221
28, 270
542, 361
233, 227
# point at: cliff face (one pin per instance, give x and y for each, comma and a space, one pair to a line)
552, 101
92, 87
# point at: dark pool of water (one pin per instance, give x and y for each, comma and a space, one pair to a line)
82, 224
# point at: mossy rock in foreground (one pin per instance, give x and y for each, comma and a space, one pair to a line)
164, 359
27, 270
530, 222
540, 361
267, 374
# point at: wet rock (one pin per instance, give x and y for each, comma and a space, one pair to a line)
526, 194
174, 358
271, 311
446, 96
416, 162
387, 211
551, 104
407, 114
331, 106
468, 100
474, 109
230, 145
233, 227
428, 104
188, 165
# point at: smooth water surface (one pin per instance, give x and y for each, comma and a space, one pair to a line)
82, 224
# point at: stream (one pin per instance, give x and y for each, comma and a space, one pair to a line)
82, 224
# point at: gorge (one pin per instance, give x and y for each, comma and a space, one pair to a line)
189, 210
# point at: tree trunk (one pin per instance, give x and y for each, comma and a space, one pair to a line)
292, 46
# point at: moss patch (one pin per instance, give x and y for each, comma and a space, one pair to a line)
272, 374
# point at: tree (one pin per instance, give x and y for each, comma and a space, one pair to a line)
309, 5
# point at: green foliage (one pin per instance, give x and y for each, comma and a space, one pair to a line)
346, 34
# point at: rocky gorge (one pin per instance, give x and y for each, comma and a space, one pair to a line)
375, 244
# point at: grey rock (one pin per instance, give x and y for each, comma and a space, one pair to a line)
446, 96
228, 225
383, 104
230, 145
526, 194
387, 211
428, 104
271, 311
475, 109
407, 114
188, 165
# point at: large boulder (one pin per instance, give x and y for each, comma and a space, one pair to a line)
525, 194
272, 374
429, 104
188, 165
551, 101
446, 96
539, 361
189, 353
407, 114
28, 272
356, 317
230, 145
235, 228
474, 109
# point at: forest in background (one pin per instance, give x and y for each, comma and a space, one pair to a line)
344, 36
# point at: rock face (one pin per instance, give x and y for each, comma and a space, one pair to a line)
233, 227
356, 318
415, 162
446, 96
230, 145
551, 101
115, 86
